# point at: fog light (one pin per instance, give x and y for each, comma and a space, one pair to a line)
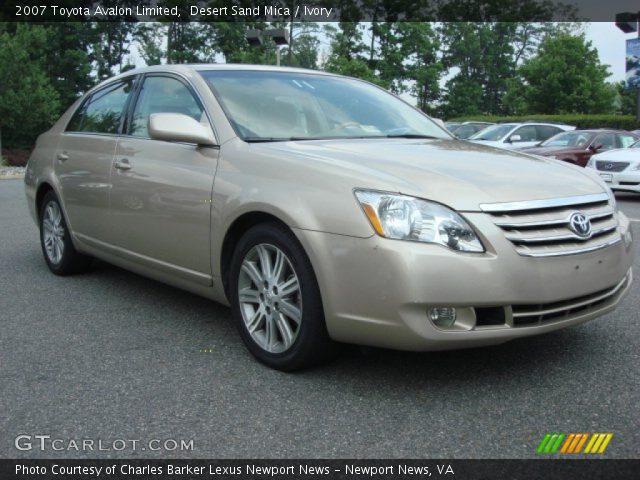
443, 316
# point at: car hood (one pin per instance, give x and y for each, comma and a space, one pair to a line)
457, 173
619, 155
551, 150
492, 143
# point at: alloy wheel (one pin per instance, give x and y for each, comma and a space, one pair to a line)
53, 232
270, 298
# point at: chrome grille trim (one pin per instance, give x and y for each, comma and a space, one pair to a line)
557, 238
615, 166
575, 251
532, 315
541, 228
544, 223
546, 203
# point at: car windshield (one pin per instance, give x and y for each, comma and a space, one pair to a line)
569, 139
274, 106
494, 132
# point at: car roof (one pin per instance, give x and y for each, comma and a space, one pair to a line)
197, 67
220, 66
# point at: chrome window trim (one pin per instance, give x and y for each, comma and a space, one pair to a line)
547, 203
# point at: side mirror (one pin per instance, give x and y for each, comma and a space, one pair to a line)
595, 148
176, 127
514, 138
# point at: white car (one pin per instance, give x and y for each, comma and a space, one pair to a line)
518, 135
619, 168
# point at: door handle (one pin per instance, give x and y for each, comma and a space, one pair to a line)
63, 156
123, 164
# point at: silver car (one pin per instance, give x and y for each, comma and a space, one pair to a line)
323, 209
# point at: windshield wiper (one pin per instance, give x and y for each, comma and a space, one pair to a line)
409, 135
265, 139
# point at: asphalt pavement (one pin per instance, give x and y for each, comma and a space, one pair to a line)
113, 357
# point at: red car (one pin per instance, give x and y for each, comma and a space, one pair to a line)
578, 146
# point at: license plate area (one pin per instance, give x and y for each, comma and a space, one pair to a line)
607, 177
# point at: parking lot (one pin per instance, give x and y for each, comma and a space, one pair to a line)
111, 355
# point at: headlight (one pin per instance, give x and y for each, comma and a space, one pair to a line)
408, 218
591, 163
636, 167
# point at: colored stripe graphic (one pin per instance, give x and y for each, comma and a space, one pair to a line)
572, 443
550, 443
598, 442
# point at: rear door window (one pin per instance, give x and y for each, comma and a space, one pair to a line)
625, 140
545, 131
527, 133
103, 111
607, 140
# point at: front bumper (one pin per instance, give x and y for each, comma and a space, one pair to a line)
378, 291
628, 181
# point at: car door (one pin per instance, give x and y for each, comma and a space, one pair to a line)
544, 132
604, 142
161, 196
523, 137
624, 140
84, 156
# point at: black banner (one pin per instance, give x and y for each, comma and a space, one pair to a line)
138, 469
314, 10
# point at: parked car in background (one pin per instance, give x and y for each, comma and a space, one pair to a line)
518, 135
322, 208
452, 125
579, 146
466, 129
620, 169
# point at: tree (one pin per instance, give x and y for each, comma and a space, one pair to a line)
150, 38
28, 102
625, 99
565, 76
112, 41
347, 52
304, 45
423, 68
65, 59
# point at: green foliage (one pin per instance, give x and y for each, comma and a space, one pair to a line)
492, 68
487, 56
625, 100
65, 59
111, 41
305, 46
566, 76
29, 103
622, 122
150, 38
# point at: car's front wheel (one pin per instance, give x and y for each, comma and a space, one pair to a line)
276, 300
55, 239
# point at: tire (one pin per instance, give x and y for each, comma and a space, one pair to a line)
280, 320
55, 239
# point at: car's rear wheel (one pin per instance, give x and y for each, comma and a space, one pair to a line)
55, 239
276, 300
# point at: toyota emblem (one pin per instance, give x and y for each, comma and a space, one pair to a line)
580, 224
608, 166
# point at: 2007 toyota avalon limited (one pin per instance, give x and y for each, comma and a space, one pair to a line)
323, 209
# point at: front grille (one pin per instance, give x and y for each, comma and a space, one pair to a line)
611, 166
532, 315
541, 228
